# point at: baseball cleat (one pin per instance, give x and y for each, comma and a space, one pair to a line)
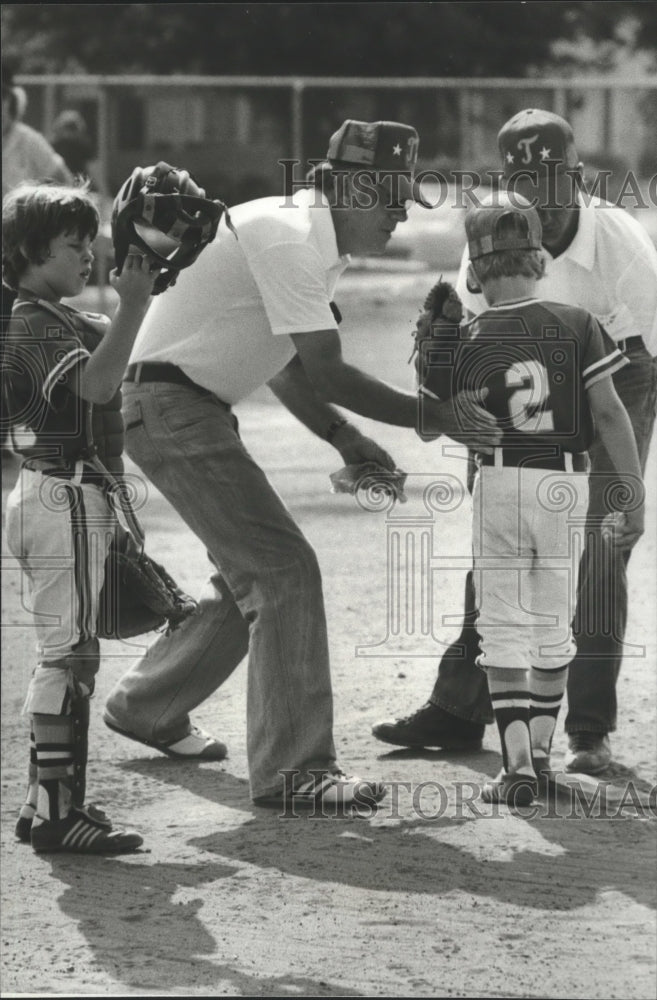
196, 745
82, 832
24, 824
431, 727
511, 788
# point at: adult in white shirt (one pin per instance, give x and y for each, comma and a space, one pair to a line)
252, 310
26, 154
599, 258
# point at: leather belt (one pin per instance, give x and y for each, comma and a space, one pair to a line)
568, 461
161, 371
149, 371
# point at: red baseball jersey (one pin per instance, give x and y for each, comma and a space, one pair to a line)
41, 353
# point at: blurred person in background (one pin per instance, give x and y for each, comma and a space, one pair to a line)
71, 139
26, 154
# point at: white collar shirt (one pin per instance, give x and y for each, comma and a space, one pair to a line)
227, 321
609, 269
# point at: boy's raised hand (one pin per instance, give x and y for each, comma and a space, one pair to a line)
135, 282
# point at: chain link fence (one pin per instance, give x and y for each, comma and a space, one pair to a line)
233, 133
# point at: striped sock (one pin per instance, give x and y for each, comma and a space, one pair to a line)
546, 688
54, 761
509, 694
28, 809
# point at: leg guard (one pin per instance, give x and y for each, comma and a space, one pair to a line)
83, 666
28, 809
80, 740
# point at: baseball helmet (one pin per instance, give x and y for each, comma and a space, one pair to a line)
164, 212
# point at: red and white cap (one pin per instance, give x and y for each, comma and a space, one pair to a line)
534, 141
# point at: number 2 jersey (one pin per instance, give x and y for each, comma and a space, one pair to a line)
536, 359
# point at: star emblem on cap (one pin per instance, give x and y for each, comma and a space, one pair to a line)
509, 158
545, 153
396, 150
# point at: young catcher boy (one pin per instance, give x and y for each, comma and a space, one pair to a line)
59, 520
544, 371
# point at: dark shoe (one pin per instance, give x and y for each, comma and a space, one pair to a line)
431, 727
24, 828
196, 745
82, 833
511, 788
24, 824
588, 753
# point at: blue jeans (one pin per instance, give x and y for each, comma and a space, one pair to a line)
264, 596
601, 614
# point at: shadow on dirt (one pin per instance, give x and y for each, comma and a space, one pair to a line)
561, 869
142, 936
148, 934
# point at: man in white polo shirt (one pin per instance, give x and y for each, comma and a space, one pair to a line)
597, 257
256, 308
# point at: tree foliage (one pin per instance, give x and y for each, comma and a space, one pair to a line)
363, 39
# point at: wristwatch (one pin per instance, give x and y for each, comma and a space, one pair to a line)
335, 427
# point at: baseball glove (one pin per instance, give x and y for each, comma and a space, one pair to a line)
138, 595
438, 325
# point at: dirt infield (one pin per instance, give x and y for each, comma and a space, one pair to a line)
436, 895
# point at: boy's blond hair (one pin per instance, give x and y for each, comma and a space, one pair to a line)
509, 263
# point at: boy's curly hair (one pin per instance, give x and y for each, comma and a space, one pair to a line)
33, 215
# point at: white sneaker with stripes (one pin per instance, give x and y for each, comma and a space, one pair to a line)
333, 790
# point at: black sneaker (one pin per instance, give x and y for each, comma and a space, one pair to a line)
24, 822
82, 832
431, 727
589, 753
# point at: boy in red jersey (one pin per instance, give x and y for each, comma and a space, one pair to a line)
547, 370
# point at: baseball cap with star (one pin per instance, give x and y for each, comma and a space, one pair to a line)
536, 140
386, 148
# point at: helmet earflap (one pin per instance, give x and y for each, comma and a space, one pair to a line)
167, 205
